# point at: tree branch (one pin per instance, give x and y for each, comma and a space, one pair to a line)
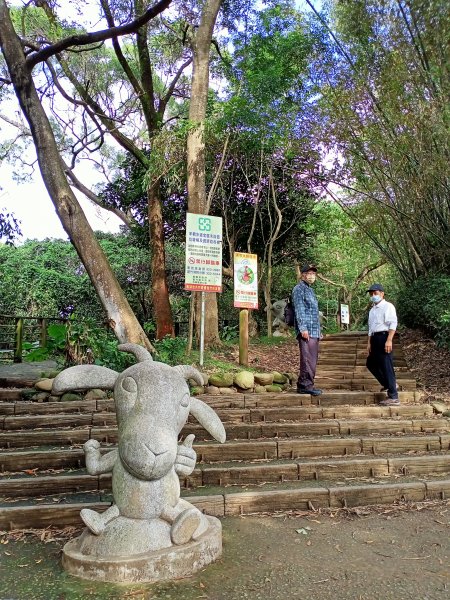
97, 36
76, 183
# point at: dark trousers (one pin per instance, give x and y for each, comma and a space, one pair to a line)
309, 353
381, 364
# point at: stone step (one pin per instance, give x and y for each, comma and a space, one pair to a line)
287, 497
228, 415
10, 394
237, 400
356, 373
245, 450
48, 408
28, 485
328, 398
353, 384
359, 361
267, 430
73, 435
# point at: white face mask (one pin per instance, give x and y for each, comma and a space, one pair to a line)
375, 299
310, 278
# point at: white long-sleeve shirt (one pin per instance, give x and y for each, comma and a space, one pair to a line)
382, 317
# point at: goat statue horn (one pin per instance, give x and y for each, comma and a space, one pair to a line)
139, 351
189, 372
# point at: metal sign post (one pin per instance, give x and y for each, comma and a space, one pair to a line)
202, 328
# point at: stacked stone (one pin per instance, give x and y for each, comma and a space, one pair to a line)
245, 382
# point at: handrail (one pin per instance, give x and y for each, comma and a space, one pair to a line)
37, 317
19, 329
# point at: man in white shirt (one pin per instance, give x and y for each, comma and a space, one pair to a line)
382, 326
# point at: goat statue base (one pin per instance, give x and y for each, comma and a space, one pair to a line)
134, 560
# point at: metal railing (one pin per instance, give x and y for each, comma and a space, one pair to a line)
15, 330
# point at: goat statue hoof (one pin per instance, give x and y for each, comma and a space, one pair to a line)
184, 526
92, 520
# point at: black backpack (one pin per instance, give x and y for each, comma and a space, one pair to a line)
289, 312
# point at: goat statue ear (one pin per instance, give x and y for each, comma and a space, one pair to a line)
206, 416
84, 377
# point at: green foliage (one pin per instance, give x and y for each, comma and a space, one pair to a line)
342, 252
46, 278
270, 64
384, 100
89, 343
424, 304
55, 348
171, 350
229, 333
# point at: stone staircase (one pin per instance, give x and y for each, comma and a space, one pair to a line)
283, 451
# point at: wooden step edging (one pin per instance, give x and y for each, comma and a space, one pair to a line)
318, 470
241, 503
249, 450
248, 431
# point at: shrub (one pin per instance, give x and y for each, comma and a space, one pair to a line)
424, 304
170, 350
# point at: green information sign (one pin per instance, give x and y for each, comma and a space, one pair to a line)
203, 269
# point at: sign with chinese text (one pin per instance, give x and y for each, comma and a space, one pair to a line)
203, 269
345, 314
245, 280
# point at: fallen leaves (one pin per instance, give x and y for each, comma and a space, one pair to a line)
303, 530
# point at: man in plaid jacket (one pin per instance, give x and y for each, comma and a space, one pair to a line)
307, 329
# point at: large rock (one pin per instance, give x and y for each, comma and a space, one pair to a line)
213, 390
228, 390
274, 388
260, 389
71, 397
44, 385
96, 394
279, 378
221, 379
264, 378
197, 390
292, 377
244, 380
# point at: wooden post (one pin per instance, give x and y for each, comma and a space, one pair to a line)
243, 337
18, 338
43, 336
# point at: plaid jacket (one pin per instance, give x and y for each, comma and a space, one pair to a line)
306, 310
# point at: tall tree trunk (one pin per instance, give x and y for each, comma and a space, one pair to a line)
162, 312
197, 202
120, 316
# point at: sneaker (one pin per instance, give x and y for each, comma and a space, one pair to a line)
389, 402
312, 392
386, 389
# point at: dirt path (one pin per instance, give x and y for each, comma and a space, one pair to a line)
388, 554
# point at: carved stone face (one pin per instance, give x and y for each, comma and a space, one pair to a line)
152, 405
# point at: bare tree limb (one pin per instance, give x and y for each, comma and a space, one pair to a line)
97, 36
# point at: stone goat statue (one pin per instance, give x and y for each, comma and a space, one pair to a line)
280, 328
153, 403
